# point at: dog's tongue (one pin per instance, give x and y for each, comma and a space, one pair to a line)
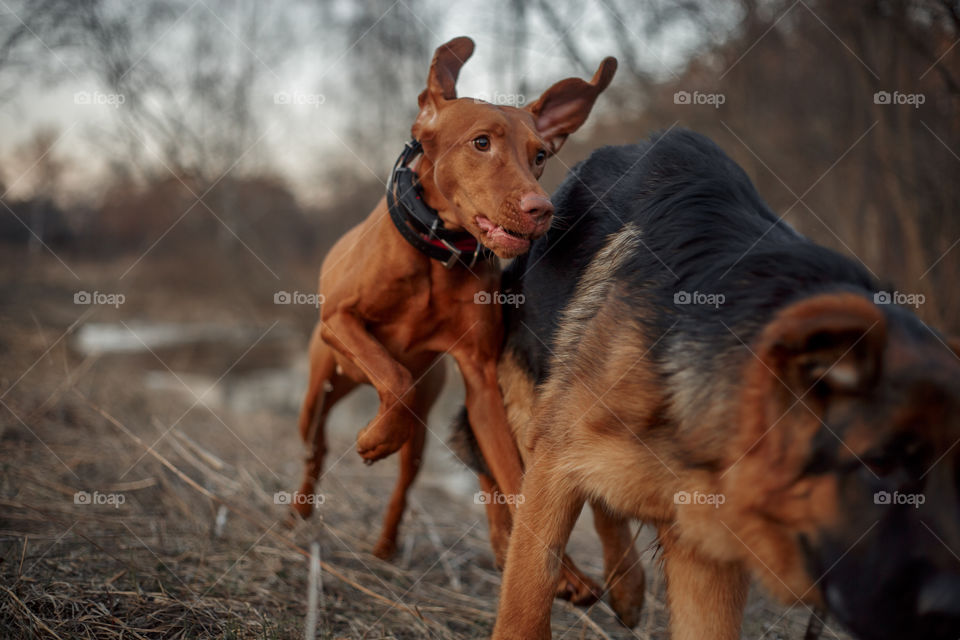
497, 235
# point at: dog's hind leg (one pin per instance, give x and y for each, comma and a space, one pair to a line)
499, 519
411, 457
324, 389
622, 572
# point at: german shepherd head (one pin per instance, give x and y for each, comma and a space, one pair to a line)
849, 474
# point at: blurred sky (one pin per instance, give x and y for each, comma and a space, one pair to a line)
300, 138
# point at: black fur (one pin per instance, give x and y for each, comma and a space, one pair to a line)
464, 444
704, 229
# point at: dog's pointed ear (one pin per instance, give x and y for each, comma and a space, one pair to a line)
826, 345
441, 82
564, 107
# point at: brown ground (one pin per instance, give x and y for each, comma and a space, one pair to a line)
159, 565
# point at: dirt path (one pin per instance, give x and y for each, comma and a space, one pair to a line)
179, 450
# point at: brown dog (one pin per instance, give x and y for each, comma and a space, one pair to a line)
756, 397
399, 293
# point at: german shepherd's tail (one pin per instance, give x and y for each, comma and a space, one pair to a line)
464, 445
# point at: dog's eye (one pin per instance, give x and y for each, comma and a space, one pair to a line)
541, 157
482, 143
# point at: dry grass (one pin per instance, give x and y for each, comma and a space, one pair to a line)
199, 549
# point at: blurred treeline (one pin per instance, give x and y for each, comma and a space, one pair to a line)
798, 80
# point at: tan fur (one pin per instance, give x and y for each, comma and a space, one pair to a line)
615, 451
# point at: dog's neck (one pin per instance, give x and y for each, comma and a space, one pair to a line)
423, 167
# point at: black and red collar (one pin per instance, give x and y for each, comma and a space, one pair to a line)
419, 224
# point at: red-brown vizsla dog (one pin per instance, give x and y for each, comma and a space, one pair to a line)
400, 292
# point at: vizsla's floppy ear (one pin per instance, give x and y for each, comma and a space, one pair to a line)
564, 107
827, 344
441, 81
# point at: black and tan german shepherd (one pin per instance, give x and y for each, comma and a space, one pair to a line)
684, 357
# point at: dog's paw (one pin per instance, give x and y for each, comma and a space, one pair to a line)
385, 549
577, 587
372, 452
301, 509
626, 597
383, 436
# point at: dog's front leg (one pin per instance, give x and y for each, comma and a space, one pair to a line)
540, 532
394, 422
706, 597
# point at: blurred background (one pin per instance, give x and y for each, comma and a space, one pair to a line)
168, 168
247, 136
